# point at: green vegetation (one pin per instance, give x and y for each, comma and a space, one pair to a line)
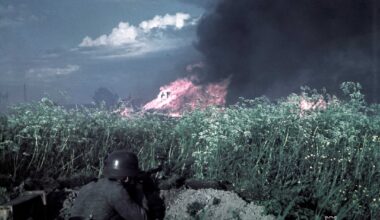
299, 164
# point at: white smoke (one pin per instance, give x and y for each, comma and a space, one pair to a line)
177, 21
126, 34
123, 34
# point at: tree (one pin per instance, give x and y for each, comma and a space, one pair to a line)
104, 95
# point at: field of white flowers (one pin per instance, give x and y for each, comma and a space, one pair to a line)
297, 163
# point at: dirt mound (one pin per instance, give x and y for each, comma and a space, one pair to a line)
192, 204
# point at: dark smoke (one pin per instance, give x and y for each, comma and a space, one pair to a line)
272, 47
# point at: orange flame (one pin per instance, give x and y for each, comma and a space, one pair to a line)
126, 112
306, 105
183, 95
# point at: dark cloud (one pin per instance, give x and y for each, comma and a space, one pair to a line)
272, 47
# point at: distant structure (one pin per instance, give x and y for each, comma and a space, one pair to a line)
104, 95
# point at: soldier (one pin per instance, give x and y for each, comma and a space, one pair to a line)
117, 196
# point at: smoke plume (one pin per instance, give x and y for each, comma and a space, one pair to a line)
272, 47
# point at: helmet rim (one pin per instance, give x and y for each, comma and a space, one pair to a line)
120, 174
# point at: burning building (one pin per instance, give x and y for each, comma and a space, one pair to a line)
185, 95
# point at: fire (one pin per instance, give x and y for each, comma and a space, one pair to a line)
310, 105
126, 112
183, 95
306, 105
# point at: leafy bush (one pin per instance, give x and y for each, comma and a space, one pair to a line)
299, 163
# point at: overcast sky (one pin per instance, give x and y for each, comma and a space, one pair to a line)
73, 47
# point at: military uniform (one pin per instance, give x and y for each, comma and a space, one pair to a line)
106, 199
116, 196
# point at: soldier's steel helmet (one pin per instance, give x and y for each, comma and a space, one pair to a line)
120, 164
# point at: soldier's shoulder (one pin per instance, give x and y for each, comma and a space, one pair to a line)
113, 190
87, 186
110, 185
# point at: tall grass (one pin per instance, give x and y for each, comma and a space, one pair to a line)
300, 164
42, 138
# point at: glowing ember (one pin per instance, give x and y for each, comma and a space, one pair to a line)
126, 112
307, 105
183, 95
